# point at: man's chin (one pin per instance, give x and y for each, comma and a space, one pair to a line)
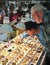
38, 22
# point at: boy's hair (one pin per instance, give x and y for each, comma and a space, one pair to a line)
31, 25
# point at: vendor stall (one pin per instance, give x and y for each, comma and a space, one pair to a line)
26, 51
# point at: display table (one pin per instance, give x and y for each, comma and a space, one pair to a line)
26, 51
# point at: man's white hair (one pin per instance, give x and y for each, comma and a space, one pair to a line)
37, 7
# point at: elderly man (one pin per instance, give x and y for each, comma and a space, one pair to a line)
37, 12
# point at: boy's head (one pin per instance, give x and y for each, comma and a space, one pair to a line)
31, 27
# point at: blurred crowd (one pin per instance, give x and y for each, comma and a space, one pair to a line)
18, 12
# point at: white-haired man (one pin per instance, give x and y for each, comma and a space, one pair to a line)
37, 13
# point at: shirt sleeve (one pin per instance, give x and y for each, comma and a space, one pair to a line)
41, 37
24, 35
